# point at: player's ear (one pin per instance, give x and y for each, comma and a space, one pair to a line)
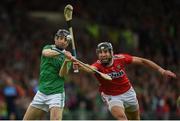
56, 38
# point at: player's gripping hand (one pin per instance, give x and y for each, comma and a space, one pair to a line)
69, 55
75, 65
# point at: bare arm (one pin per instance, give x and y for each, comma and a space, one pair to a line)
77, 65
92, 69
64, 68
84, 68
154, 66
49, 53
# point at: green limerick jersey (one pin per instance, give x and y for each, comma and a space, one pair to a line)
50, 82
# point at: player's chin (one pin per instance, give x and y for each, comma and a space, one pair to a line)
63, 46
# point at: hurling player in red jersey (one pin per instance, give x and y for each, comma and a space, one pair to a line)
118, 93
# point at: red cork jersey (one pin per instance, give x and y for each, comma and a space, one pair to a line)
120, 82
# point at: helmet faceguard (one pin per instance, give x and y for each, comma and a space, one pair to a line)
64, 33
102, 47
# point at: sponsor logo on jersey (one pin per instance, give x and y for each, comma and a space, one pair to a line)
116, 74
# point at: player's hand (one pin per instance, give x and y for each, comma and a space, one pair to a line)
75, 65
69, 55
168, 74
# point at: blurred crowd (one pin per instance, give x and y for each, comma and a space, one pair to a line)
148, 29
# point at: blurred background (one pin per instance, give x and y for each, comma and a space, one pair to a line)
145, 28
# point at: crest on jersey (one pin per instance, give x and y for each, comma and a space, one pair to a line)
118, 66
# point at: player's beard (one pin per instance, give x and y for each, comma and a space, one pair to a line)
106, 62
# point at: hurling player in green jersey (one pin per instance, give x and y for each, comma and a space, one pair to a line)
54, 66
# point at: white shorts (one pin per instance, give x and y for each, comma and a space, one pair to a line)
127, 100
45, 102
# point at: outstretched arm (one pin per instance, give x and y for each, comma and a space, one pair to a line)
92, 69
84, 68
154, 66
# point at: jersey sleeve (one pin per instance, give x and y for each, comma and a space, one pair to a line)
127, 58
96, 64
